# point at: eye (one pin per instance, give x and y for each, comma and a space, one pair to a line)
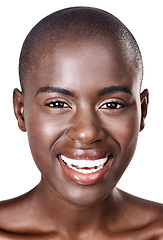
57, 104
113, 105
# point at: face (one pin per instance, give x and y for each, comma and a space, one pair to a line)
82, 111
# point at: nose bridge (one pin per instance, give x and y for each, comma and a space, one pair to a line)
85, 127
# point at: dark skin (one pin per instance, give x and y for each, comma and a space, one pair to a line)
81, 106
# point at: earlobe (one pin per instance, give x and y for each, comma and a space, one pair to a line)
18, 102
144, 97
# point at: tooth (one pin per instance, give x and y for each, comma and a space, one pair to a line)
86, 171
82, 163
74, 168
103, 161
74, 162
70, 162
64, 158
97, 162
77, 162
90, 164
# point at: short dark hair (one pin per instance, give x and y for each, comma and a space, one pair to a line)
78, 22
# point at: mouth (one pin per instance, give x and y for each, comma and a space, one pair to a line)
85, 166
85, 171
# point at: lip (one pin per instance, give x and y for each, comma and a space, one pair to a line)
85, 154
89, 178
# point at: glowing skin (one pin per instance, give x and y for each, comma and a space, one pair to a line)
82, 110
83, 102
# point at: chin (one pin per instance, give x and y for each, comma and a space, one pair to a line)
86, 196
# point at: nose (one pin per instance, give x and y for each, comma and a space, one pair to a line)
86, 128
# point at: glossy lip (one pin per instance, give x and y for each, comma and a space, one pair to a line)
89, 178
85, 154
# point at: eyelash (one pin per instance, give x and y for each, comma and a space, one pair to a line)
57, 104
113, 105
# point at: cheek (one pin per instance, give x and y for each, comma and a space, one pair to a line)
42, 134
124, 130
127, 130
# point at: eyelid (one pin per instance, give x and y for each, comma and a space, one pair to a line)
113, 100
54, 102
47, 103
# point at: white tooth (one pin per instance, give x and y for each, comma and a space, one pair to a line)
100, 167
74, 168
97, 163
77, 163
90, 164
106, 159
84, 171
103, 160
66, 160
82, 163
89, 171
74, 162
69, 162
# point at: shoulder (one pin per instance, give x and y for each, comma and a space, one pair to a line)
15, 214
146, 216
151, 208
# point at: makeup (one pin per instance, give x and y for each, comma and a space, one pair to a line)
85, 171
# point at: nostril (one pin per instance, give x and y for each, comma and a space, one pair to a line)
86, 134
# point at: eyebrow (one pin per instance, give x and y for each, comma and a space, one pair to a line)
105, 91
114, 89
54, 90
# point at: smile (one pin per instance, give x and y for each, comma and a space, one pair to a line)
85, 166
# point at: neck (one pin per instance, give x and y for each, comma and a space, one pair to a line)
67, 216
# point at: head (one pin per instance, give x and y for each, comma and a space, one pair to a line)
79, 24
81, 72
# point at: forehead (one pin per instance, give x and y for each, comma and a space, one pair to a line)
82, 64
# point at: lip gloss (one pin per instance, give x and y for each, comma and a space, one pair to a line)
86, 178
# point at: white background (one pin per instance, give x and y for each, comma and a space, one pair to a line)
18, 173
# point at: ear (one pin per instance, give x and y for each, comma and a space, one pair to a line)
144, 97
18, 101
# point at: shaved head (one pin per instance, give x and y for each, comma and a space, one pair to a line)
80, 24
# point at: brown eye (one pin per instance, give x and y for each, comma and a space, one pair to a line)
113, 105
57, 104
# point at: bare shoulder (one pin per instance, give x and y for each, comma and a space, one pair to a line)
151, 208
146, 217
20, 218
141, 219
16, 216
